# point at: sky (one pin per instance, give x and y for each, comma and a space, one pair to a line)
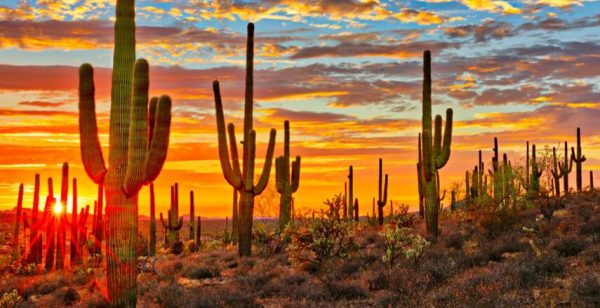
347, 74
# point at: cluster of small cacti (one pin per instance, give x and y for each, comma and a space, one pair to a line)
174, 223
50, 228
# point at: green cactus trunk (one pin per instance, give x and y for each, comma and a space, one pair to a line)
420, 182
152, 244
534, 182
351, 192
556, 174
242, 178
286, 184
565, 168
435, 154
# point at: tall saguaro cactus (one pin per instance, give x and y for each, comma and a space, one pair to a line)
135, 157
351, 192
382, 196
75, 256
536, 174
556, 173
35, 254
435, 155
420, 182
192, 214
234, 218
579, 159
242, 178
565, 168
61, 235
286, 185
152, 244
17, 247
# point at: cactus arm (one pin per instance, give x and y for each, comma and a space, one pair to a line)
179, 225
427, 156
228, 173
234, 152
91, 151
296, 174
151, 119
437, 135
266, 172
385, 191
162, 220
138, 130
442, 158
157, 154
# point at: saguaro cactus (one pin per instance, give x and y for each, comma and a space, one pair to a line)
578, 158
35, 241
591, 181
50, 226
61, 231
350, 192
536, 174
383, 193
286, 185
174, 223
435, 155
234, 218
17, 247
565, 168
345, 200
135, 157
420, 182
152, 244
192, 220
75, 256
199, 233
556, 173
467, 189
242, 179
98, 225
355, 207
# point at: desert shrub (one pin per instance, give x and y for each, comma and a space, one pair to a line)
408, 284
345, 290
170, 295
496, 222
177, 248
400, 241
45, 285
585, 290
66, 296
10, 299
569, 246
350, 267
495, 249
200, 272
591, 255
142, 245
96, 300
213, 245
530, 270
316, 240
454, 240
478, 287
403, 218
190, 247
591, 228
268, 243
21, 267
441, 265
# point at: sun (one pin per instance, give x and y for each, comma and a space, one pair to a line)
57, 208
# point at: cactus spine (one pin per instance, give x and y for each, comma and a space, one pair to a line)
286, 185
243, 179
152, 244
133, 160
192, 215
578, 158
234, 218
383, 194
435, 155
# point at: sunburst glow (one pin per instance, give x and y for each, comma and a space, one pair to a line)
57, 208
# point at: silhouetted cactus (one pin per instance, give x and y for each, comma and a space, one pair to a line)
152, 244
61, 231
82, 228
286, 184
420, 182
435, 155
350, 192
453, 206
591, 181
242, 179
50, 226
234, 218
18, 218
556, 173
134, 159
536, 173
467, 189
35, 239
75, 256
192, 220
383, 194
199, 233
355, 207
98, 223
579, 159
226, 232
565, 168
